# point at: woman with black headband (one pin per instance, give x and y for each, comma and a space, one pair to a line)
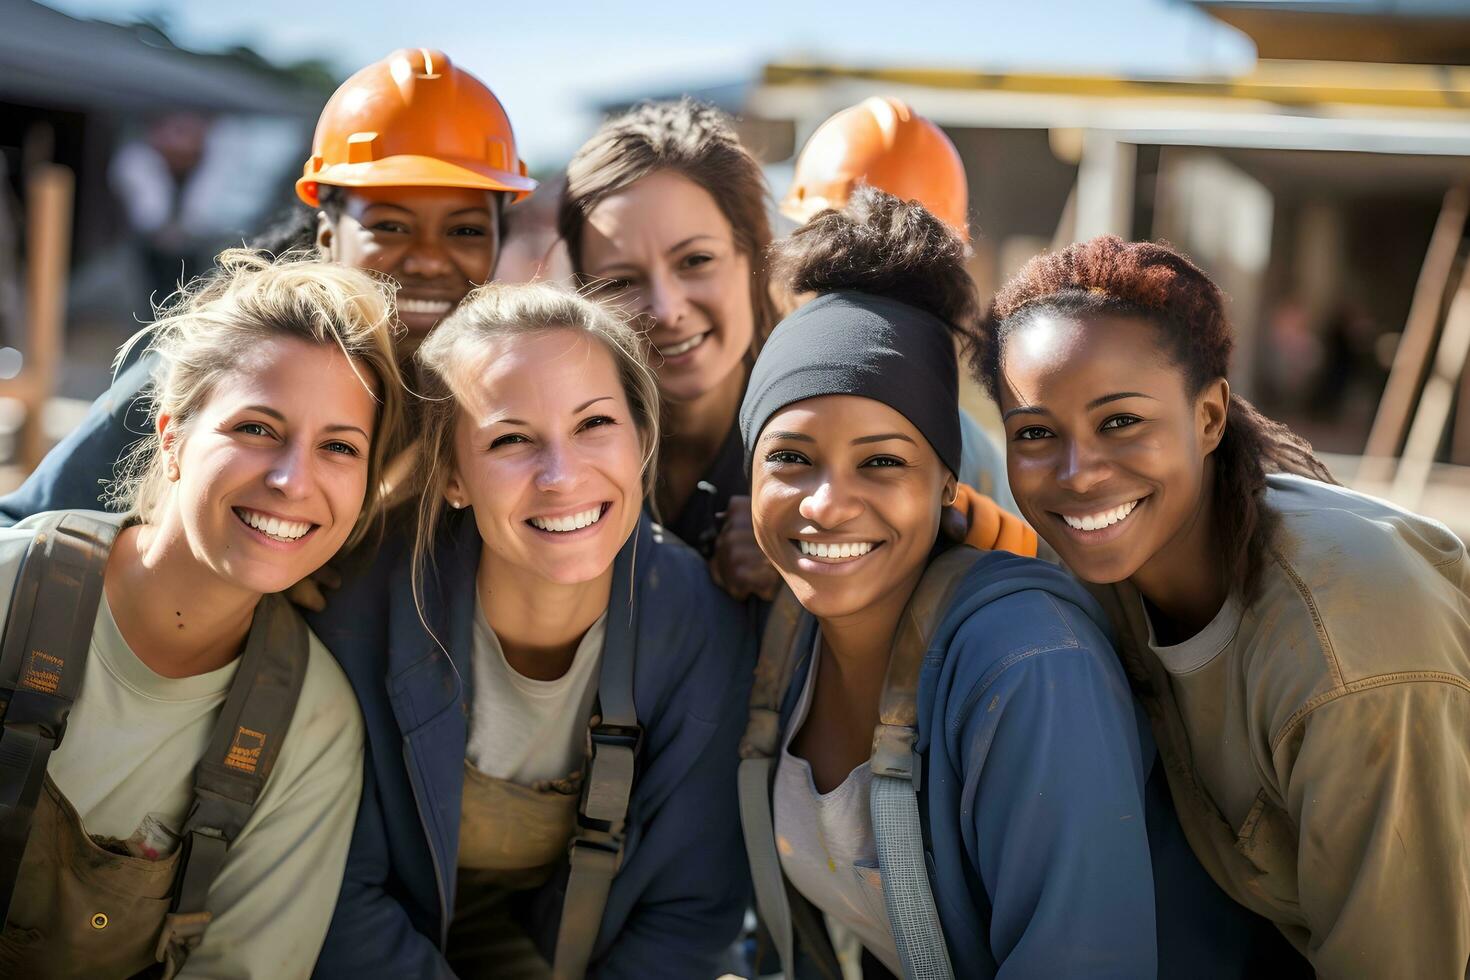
982, 680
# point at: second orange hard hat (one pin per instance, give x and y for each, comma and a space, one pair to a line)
885, 144
413, 119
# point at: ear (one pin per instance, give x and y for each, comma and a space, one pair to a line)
951, 490
1212, 409
454, 493
324, 233
168, 439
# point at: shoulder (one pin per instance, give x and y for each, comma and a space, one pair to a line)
327, 721
1012, 612
1356, 589
676, 576
15, 541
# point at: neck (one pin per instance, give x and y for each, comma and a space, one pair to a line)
177, 616
538, 623
704, 422
1185, 581
857, 646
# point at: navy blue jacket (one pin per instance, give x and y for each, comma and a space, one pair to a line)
678, 899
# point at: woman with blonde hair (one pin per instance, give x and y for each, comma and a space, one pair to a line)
553, 688
182, 757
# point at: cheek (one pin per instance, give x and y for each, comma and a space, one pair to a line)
475, 258
727, 302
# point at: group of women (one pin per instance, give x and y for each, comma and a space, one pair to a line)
1225, 736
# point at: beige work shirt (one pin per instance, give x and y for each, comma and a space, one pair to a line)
1317, 740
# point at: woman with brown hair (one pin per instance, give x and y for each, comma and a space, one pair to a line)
1303, 650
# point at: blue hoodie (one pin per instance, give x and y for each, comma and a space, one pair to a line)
679, 896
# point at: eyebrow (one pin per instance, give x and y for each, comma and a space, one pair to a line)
582, 407
587, 404
476, 210
339, 427
1096, 402
689, 241
792, 436
882, 437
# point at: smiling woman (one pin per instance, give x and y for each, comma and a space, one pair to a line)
1303, 651
583, 679
275, 402
1019, 727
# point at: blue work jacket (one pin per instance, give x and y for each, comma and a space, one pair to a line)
680, 893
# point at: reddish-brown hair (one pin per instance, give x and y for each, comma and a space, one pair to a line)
1110, 277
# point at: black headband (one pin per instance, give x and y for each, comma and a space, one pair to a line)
852, 343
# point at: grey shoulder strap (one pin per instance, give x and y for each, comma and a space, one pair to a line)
779, 907
894, 804
596, 850
43, 655
232, 774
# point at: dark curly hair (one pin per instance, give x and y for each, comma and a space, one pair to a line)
689, 138
1110, 277
881, 245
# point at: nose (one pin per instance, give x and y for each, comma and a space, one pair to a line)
1081, 468
290, 474
426, 257
560, 470
666, 301
830, 504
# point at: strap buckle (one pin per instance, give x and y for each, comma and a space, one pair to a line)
620, 736
609, 783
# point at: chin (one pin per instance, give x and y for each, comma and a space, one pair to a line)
576, 572
1098, 571
827, 603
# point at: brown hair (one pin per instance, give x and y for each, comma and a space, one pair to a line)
214, 323
881, 245
694, 140
499, 310
1110, 277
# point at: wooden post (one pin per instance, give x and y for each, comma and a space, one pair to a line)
1427, 432
49, 190
1417, 342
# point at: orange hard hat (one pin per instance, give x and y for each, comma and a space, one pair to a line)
885, 144
415, 120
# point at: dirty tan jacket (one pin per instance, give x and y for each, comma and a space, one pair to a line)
1317, 741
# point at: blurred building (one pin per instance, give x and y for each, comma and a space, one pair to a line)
1310, 188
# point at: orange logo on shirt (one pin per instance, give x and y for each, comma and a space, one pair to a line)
42, 672
244, 753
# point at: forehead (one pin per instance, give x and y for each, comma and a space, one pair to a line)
548, 371
652, 214
426, 201
298, 377
1050, 358
838, 419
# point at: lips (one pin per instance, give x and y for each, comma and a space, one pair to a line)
566, 523
276, 528
834, 552
424, 307
684, 346
1101, 519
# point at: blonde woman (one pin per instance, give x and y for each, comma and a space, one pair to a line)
548, 674
205, 767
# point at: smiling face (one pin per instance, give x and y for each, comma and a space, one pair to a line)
669, 254
547, 452
1106, 446
846, 497
437, 242
272, 470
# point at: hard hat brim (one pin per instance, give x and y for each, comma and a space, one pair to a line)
415, 171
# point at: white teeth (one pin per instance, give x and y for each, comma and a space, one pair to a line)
817, 549
433, 306
1096, 522
572, 522
683, 346
274, 527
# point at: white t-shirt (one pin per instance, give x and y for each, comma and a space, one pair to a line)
530, 731
826, 841
131, 744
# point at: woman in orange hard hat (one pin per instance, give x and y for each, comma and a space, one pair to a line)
411, 167
883, 143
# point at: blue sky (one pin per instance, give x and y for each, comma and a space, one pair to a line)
551, 61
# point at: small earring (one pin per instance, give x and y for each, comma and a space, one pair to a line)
172, 470
457, 504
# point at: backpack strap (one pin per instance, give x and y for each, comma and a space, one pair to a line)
897, 776
233, 772
596, 849
48, 634
785, 912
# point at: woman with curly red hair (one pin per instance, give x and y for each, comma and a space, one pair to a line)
1303, 651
